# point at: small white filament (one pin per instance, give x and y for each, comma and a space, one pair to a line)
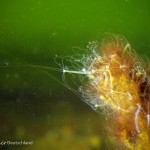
76, 72
136, 118
148, 119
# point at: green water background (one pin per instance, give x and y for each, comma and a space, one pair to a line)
34, 106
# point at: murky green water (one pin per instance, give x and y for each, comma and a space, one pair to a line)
34, 107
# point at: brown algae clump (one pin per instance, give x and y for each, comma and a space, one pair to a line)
118, 83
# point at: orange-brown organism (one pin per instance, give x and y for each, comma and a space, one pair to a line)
119, 81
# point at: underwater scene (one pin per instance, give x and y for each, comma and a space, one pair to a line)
74, 75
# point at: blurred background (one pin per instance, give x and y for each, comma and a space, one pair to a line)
34, 106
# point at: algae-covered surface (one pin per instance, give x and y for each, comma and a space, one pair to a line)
35, 108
